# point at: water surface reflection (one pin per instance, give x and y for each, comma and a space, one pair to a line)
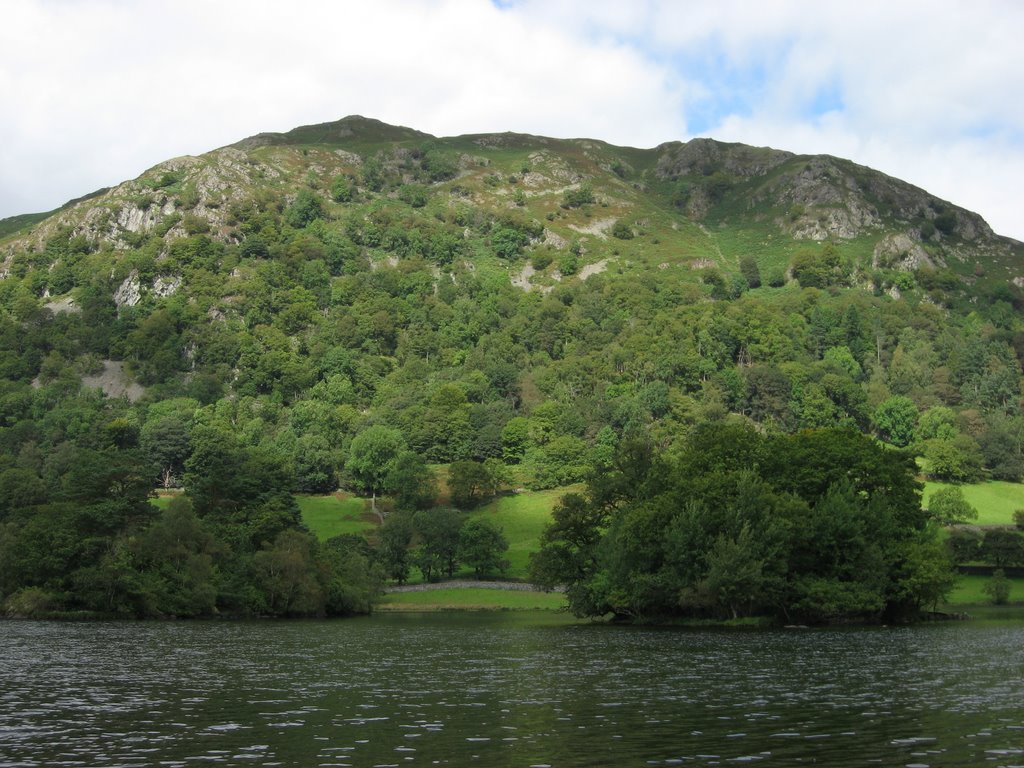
505, 690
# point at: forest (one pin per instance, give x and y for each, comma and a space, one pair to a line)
814, 526
362, 323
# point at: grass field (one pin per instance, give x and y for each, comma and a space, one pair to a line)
329, 516
995, 501
522, 517
163, 498
471, 599
968, 591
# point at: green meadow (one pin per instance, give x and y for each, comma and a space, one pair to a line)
969, 592
472, 599
522, 517
995, 501
337, 514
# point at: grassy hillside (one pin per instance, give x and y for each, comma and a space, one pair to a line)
521, 517
969, 592
996, 500
336, 514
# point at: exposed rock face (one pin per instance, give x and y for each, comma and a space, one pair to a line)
703, 156
63, 305
203, 188
134, 218
820, 197
597, 227
522, 280
555, 241
900, 252
593, 269
349, 157
114, 382
859, 199
545, 163
166, 286
844, 222
129, 293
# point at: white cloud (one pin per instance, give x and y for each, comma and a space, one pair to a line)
926, 91
101, 90
98, 90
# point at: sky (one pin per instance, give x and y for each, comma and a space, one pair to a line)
97, 91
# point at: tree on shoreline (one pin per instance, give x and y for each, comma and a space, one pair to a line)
817, 526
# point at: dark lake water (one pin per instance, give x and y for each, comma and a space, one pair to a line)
506, 690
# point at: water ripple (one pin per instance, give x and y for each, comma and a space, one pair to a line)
504, 690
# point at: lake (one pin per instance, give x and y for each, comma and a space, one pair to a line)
506, 689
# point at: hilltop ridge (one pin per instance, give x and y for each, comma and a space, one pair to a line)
757, 193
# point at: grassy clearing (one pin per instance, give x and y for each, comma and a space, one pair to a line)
329, 516
995, 500
163, 498
522, 517
968, 591
472, 599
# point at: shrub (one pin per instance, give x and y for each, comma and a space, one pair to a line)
946, 222
439, 166
964, 545
569, 264
194, 225
168, 179
540, 260
342, 189
30, 603
508, 242
574, 198
622, 230
306, 208
1002, 546
998, 588
749, 270
413, 194
1018, 519
188, 197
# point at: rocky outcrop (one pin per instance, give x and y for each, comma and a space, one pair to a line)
166, 286
902, 252
113, 381
815, 198
129, 293
701, 157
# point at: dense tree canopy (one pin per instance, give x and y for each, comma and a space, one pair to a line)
814, 526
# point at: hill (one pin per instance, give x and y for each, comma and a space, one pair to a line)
234, 321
